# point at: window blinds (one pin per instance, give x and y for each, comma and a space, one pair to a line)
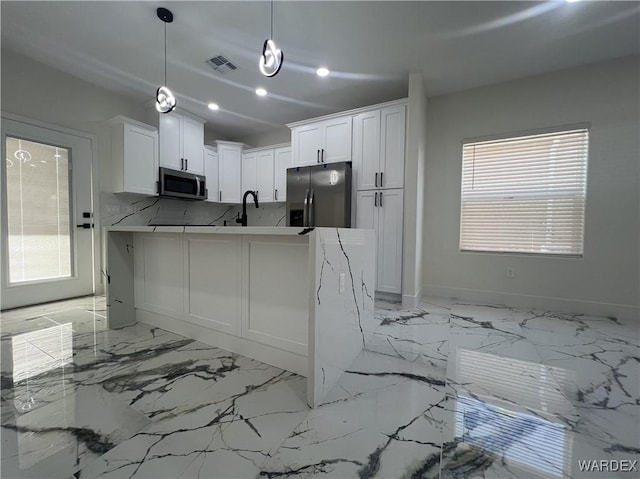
525, 194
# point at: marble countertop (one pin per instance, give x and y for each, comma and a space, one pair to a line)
234, 230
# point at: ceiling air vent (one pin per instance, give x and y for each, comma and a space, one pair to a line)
221, 64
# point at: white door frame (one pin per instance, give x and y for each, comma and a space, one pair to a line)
95, 196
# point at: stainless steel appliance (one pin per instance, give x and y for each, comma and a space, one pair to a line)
181, 184
319, 195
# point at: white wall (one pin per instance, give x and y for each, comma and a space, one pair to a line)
36, 91
271, 137
605, 280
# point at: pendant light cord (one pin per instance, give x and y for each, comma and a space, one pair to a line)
271, 20
165, 53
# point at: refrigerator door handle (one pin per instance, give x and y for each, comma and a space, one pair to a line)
312, 215
305, 211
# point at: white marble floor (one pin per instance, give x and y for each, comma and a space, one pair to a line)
448, 390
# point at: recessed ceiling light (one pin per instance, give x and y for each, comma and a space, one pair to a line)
261, 91
213, 106
572, 1
42, 161
322, 72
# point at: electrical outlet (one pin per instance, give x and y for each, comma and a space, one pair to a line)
343, 280
511, 272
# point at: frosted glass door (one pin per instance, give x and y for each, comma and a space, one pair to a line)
38, 211
46, 186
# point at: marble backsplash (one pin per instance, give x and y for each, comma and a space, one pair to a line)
135, 210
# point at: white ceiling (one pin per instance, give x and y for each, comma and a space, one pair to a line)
370, 47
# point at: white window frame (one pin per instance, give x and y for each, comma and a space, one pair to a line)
494, 184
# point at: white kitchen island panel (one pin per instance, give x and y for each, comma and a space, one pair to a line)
299, 299
157, 286
276, 282
212, 277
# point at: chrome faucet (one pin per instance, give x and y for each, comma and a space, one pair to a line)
243, 219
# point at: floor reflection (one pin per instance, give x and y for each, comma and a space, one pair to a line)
37, 352
515, 410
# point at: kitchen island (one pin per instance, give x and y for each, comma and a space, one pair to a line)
297, 298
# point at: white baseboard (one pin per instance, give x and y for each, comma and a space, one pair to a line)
395, 297
412, 301
621, 311
260, 352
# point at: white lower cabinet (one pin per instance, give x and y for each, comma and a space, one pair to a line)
228, 284
212, 281
382, 211
158, 286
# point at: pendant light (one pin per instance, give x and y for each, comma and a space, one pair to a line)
272, 57
165, 100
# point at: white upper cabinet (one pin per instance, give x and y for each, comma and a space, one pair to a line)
306, 142
337, 140
392, 146
249, 171
181, 142
366, 149
229, 170
265, 181
282, 160
327, 141
211, 173
170, 150
379, 148
134, 149
192, 143
257, 173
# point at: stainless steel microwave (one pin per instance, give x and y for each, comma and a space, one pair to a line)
181, 184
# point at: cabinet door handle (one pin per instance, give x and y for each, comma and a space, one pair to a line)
220, 195
181, 164
317, 156
276, 194
376, 179
381, 173
322, 156
381, 198
375, 200
186, 164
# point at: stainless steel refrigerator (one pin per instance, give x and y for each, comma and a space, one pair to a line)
319, 195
